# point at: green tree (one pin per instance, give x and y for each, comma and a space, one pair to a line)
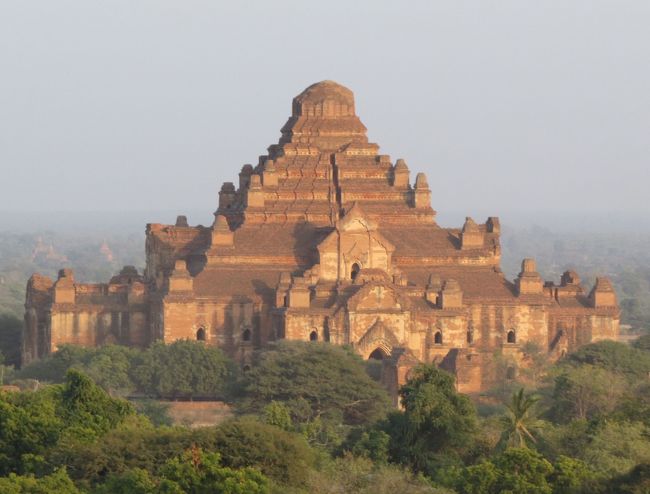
438, 424
314, 380
280, 455
523, 471
586, 392
197, 472
616, 357
636, 481
371, 443
279, 415
635, 405
53, 368
572, 476
183, 369
29, 425
520, 420
192, 472
87, 408
133, 481
131, 445
616, 447
110, 366
481, 478
642, 342
56, 483
350, 474
515, 471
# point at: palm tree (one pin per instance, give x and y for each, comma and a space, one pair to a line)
520, 420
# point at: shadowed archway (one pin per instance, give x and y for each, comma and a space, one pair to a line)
377, 354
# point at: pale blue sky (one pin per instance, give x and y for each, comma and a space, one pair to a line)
150, 105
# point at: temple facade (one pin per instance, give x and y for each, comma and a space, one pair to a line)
326, 239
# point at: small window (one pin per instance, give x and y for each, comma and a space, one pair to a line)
470, 337
355, 271
200, 334
246, 335
511, 338
313, 336
437, 338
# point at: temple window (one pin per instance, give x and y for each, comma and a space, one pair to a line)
437, 338
200, 334
355, 271
470, 337
313, 336
511, 337
246, 335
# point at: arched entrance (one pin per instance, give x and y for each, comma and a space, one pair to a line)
200, 334
355, 271
375, 363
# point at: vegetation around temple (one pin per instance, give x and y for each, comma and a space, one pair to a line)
311, 419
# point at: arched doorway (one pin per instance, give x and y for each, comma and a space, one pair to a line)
246, 335
437, 338
313, 336
200, 334
375, 363
511, 337
354, 271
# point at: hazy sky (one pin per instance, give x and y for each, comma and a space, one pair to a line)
506, 105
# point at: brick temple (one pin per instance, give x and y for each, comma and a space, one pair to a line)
326, 239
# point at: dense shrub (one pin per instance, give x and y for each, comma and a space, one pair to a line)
315, 381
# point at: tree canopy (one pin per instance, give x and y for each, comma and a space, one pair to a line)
182, 369
314, 380
438, 424
310, 419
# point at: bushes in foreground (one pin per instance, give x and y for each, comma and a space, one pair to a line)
300, 430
